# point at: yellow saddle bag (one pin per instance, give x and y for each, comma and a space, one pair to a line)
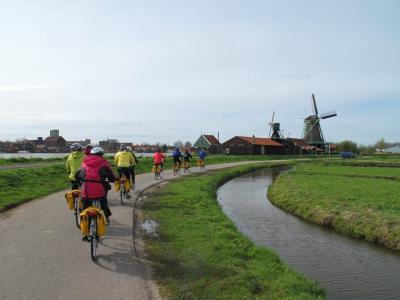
70, 200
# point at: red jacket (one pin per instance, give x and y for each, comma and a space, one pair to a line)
95, 170
158, 158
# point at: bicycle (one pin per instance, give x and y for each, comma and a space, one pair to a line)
186, 166
157, 171
93, 225
74, 202
124, 188
177, 168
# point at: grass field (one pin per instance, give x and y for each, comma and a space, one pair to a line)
21, 185
358, 200
199, 254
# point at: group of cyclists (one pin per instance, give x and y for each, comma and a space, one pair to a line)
90, 172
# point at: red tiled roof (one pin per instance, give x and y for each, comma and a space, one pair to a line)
260, 141
54, 138
299, 142
211, 139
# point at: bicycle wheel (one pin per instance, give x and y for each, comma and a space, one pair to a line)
77, 213
93, 237
121, 194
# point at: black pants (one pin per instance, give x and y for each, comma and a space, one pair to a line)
75, 184
132, 169
103, 203
126, 171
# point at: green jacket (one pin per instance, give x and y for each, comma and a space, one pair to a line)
74, 162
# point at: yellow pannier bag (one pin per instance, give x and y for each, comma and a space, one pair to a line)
84, 222
70, 199
117, 185
101, 225
127, 185
101, 222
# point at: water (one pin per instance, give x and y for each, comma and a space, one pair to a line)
345, 267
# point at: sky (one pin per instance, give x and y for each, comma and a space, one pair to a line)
162, 71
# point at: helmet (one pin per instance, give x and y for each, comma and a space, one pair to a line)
97, 151
89, 146
122, 147
76, 147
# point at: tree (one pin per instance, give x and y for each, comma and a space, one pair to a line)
188, 144
381, 144
347, 146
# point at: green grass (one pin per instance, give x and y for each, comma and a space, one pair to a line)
21, 185
363, 202
22, 160
199, 253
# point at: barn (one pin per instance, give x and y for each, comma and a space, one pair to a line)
251, 145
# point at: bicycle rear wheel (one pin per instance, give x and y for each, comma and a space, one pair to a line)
93, 237
122, 195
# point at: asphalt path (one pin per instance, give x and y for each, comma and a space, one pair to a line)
42, 254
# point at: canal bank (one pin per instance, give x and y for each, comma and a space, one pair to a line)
198, 253
345, 267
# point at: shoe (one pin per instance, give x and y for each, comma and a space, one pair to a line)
108, 221
128, 196
85, 238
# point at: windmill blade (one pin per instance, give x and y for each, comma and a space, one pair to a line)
314, 104
328, 115
271, 124
270, 129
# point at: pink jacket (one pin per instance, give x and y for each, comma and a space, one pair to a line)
95, 171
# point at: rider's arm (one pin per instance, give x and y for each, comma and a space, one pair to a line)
68, 165
116, 158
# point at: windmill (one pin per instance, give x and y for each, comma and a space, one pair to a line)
312, 132
275, 129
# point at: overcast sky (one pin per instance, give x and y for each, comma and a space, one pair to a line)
161, 71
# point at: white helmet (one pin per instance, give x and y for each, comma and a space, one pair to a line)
76, 147
97, 151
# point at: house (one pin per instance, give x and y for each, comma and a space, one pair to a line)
394, 149
209, 143
251, 145
55, 144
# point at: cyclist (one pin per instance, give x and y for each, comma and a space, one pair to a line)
130, 149
158, 158
87, 150
177, 156
74, 162
124, 161
202, 155
187, 157
96, 175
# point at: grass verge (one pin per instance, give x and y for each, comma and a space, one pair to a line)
21, 185
360, 201
199, 254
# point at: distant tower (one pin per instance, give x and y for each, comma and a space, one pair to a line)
54, 132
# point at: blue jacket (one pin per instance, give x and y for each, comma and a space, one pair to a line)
202, 154
177, 153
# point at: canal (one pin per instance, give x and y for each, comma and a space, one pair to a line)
347, 268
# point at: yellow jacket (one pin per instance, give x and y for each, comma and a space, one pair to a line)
124, 159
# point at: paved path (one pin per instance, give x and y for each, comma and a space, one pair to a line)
42, 255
